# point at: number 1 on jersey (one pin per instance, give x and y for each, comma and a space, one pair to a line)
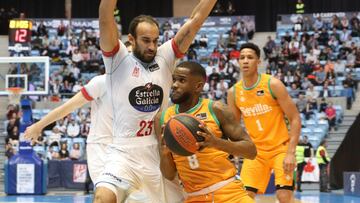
259, 125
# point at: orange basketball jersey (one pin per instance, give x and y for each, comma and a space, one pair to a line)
262, 114
205, 167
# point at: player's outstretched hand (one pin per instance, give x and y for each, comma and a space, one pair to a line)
32, 132
210, 140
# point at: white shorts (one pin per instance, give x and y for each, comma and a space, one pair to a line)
135, 164
96, 154
96, 157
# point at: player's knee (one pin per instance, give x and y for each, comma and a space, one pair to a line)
284, 196
104, 195
251, 194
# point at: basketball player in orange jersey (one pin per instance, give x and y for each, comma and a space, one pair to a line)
263, 102
208, 175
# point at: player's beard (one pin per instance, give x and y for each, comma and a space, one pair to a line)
141, 56
185, 96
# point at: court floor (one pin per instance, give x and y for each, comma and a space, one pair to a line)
305, 197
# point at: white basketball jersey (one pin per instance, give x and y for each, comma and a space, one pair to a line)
138, 90
101, 112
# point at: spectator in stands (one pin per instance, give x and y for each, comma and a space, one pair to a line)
76, 57
54, 137
323, 160
41, 31
75, 153
320, 76
339, 67
349, 96
9, 150
344, 35
331, 116
64, 153
61, 29
318, 24
203, 41
288, 78
222, 86
323, 37
73, 129
300, 161
323, 105
311, 57
344, 22
13, 137
243, 31
335, 22
214, 76
84, 129
307, 24
325, 92
77, 87
53, 153
232, 41
333, 43
311, 107
66, 89
311, 92
191, 55
298, 24
301, 103
62, 126
294, 91
269, 46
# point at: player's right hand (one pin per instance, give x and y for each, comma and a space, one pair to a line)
32, 132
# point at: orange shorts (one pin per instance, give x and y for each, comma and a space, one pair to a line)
230, 193
256, 173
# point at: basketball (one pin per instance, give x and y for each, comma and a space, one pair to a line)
180, 134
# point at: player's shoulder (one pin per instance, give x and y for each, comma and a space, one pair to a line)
99, 79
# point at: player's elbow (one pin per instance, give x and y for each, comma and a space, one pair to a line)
196, 23
251, 151
168, 174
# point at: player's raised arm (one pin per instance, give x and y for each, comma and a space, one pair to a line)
167, 164
109, 35
34, 131
187, 32
239, 144
291, 112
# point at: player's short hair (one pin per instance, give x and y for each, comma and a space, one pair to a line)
195, 68
252, 46
139, 19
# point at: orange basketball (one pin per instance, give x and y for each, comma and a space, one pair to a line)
180, 134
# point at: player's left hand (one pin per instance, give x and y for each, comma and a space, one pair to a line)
210, 139
289, 163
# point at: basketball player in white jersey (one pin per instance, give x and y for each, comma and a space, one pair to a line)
100, 134
139, 85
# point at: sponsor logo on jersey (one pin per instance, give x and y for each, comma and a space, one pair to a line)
154, 67
256, 110
136, 72
147, 98
260, 93
201, 116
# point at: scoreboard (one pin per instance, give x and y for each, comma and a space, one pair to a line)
20, 35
